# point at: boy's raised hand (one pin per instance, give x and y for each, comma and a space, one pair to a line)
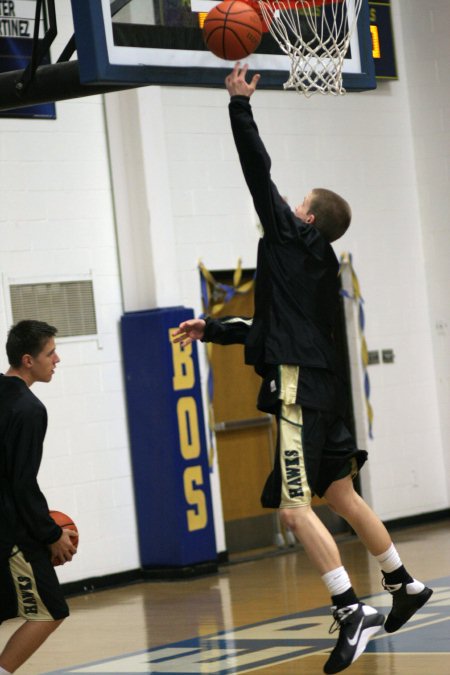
237, 84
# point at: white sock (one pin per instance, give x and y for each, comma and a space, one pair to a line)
337, 581
4, 672
389, 560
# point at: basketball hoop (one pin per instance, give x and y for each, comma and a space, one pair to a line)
315, 35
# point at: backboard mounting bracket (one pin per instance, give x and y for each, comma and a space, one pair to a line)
41, 48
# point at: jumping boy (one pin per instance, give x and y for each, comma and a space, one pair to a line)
289, 341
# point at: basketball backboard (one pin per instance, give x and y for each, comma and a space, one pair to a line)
160, 42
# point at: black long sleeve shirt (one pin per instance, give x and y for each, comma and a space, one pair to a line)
24, 514
296, 287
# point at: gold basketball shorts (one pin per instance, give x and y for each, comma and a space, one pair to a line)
295, 489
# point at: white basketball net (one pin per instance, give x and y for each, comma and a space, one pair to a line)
316, 35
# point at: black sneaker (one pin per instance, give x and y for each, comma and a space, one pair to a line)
356, 623
404, 605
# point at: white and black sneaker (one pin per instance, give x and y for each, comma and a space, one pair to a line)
406, 600
356, 624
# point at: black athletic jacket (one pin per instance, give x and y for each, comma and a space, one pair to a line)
296, 287
24, 518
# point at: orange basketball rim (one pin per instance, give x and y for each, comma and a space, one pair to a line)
286, 4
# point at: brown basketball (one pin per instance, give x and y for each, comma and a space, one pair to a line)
66, 523
232, 30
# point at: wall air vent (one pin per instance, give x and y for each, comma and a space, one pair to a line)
68, 305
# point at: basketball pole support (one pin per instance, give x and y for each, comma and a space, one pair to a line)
53, 82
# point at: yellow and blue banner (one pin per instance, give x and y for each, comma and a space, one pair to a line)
356, 297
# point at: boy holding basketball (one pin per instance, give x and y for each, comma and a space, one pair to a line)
29, 538
289, 341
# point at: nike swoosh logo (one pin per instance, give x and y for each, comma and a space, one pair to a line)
355, 639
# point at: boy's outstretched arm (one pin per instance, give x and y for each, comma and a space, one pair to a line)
274, 214
227, 330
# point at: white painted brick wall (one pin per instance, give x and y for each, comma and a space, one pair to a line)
425, 29
56, 221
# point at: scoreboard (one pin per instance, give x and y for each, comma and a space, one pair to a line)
383, 51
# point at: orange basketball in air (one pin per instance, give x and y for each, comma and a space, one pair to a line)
232, 30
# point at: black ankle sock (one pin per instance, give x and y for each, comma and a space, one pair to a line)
345, 599
398, 576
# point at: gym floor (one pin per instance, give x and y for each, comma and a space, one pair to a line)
267, 614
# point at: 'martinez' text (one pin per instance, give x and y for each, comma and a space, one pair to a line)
12, 25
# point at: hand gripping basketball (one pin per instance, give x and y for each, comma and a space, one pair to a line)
66, 523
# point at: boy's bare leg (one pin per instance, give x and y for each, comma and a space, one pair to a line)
317, 541
357, 622
408, 594
344, 500
24, 642
315, 538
